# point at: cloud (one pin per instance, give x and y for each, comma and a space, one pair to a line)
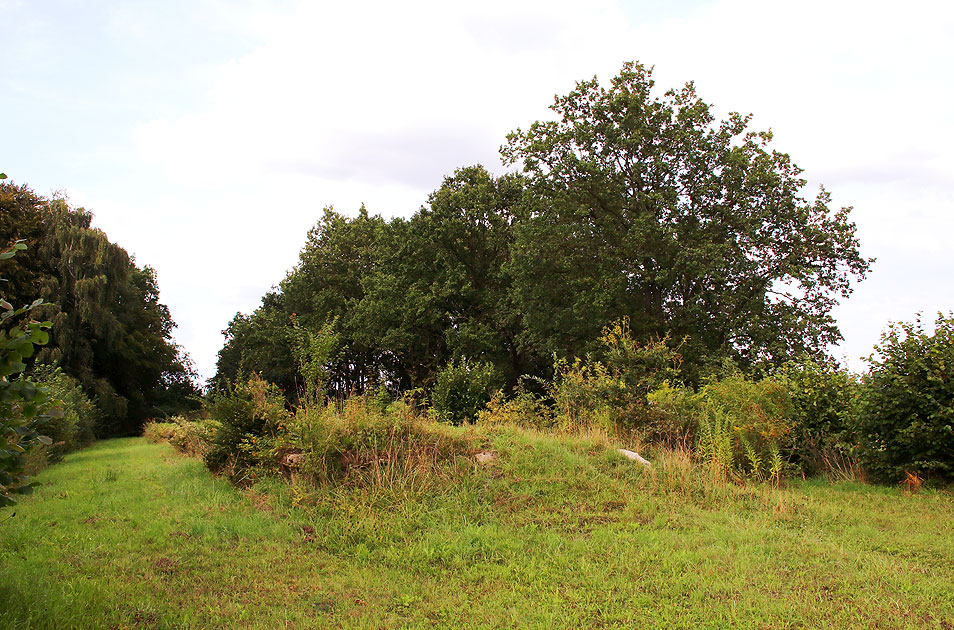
376, 88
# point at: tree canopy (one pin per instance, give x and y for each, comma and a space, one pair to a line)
649, 208
629, 206
110, 331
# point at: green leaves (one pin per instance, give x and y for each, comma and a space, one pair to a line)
19, 246
648, 207
20, 344
112, 333
907, 403
462, 389
21, 400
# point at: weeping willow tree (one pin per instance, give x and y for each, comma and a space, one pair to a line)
110, 331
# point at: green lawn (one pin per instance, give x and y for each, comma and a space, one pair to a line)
551, 534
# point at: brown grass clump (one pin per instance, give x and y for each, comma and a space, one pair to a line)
911, 483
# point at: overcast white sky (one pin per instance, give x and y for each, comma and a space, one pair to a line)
207, 135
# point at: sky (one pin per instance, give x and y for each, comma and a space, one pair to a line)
206, 136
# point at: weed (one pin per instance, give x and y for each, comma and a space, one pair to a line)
911, 483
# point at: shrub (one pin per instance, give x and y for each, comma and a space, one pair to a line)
22, 401
313, 351
824, 406
614, 392
246, 413
522, 410
641, 367
757, 415
584, 394
462, 389
191, 437
906, 419
76, 426
156, 431
740, 426
672, 417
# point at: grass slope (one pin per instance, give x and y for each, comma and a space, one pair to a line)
554, 533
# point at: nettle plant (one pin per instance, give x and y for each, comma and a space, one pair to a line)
24, 404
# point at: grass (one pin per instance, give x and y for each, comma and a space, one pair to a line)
552, 533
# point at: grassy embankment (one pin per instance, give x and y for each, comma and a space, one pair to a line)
553, 533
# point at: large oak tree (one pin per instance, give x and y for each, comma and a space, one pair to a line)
648, 207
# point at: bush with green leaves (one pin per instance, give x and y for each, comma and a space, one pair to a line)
23, 402
613, 392
192, 437
825, 400
73, 429
523, 409
248, 412
673, 416
313, 350
754, 415
585, 394
157, 431
641, 367
741, 427
462, 389
906, 419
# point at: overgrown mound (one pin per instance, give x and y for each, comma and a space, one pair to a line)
359, 441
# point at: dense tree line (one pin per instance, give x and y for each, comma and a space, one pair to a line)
109, 330
628, 206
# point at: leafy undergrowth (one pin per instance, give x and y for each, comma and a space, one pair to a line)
546, 532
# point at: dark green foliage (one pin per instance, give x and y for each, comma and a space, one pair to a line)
825, 404
23, 402
466, 233
259, 343
906, 421
110, 332
20, 221
251, 410
328, 284
404, 297
462, 389
75, 428
649, 208
631, 208
314, 351
440, 288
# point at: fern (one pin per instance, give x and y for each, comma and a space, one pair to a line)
755, 461
715, 439
775, 469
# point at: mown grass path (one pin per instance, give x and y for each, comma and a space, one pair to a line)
128, 534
